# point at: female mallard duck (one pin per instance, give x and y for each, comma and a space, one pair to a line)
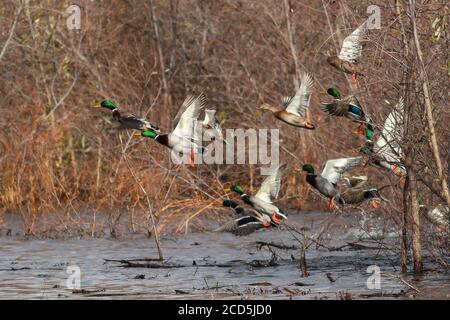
129, 121
359, 191
181, 139
262, 201
247, 221
295, 108
386, 152
347, 60
326, 182
348, 107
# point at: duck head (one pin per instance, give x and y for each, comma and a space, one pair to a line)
237, 188
108, 104
368, 132
148, 133
308, 168
334, 92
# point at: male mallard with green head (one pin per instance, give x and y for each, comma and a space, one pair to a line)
262, 200
386, 152
248, 220
326, 182
181, 139
295, 108
347, 60
348, 107
129, 121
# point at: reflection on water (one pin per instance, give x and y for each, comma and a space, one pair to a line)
36, 269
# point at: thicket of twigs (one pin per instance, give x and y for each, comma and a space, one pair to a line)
59, 156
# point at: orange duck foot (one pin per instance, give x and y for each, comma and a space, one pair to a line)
275, 218
354, 79
360, 129
192, 157
331, 204
374, 204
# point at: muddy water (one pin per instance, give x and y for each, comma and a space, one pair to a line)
225, 267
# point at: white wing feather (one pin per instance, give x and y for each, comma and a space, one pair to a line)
271, 185
351, 46
300, 102
336, 167
188, 119
388, 144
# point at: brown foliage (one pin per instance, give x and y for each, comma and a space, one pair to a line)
59, 155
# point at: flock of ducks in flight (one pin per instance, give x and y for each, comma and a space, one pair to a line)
384, 152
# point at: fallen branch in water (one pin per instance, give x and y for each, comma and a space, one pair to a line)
131, 260
382, 294
150, 265
263, 263
357, 246
275, 245
87, 291
178, 291
16, 269
132, 263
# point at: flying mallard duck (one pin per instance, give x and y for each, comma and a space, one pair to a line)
348, 107
129, 121
326, 182
347, 60
386, 152
358, 191
262, 200
248, 220
181, 139
295, 108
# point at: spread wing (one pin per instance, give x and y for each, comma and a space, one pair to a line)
340, 107
351, 47
440, 215
210, 118
300, 102
388, 144
336, 108
188, 118
336, 167
271, 185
